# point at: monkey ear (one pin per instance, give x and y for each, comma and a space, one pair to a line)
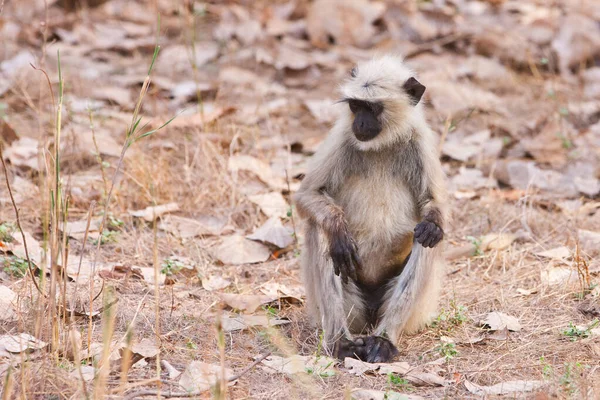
414, 89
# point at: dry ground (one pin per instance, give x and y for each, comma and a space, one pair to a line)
513, 90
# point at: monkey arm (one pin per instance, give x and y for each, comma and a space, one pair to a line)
430, 231
317, 207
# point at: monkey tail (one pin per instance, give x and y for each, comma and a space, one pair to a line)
412, 297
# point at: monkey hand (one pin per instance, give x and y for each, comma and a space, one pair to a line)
344, 254
428, 233
372, 349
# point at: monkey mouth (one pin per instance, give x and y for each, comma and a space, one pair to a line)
364, 135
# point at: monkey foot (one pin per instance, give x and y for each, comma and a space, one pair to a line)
371, 349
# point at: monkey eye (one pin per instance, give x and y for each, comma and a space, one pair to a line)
354, 106
376, 108
354, 72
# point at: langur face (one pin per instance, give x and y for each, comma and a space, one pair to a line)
366, 125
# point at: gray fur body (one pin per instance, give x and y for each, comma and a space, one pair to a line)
377, 191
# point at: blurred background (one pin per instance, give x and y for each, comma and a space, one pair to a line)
181, 129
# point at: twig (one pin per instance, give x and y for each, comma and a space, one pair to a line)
170, 394
14, 204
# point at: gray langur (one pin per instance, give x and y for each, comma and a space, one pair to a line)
373, 202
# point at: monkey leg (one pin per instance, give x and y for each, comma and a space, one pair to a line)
412, 298
336, 306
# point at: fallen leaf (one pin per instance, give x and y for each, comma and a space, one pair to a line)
242, 322
500, 335
173, 372
577, 41
504, 387
496, 321
185, 228
523, 174
589, 242
277, 289
370, 394
239, 250
149, 274
346, 22
215, 282
95, 351
526, 292
246, 302
274, 232
471, 179
358, 367
113, 94
418, 376
319, 366
258, 167
23, 153
497, 241
152, 212
556, 276
272, 204
88, 373
20, 343
7, 310
200, 376
146, 348
558, 253
323, 110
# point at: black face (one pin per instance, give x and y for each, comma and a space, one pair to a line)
366, 125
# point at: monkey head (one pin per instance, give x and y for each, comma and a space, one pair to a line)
383, 99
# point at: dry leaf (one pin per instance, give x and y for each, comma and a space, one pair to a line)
246, 302
526, 292
239, 250
504, 387
471, 179
496, 321
88, 373
323, 110
200, 376
146, 348
242, 322
320, 366
173, 372
148, 274
589, 242
559, 276
274, 232
277, 289
558, 253
151, 213
370, 394
348, 22
358, 367
23, 153
20, 343
417, 376
272, 204
258, 167
497, 241
215, 282
185, 228
7, 298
